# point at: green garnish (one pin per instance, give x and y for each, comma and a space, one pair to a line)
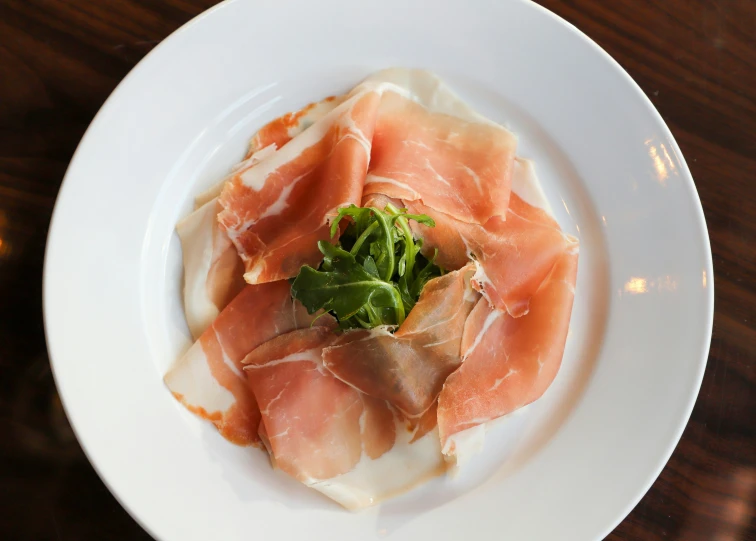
374, 274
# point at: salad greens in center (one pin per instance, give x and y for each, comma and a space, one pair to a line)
375, 272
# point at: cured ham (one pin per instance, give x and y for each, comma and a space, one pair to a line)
213, 270
408, 368
208, 379
277, 211
513, 256
514, 338
400, 133
460, 167
366, 407
508, 362
283, 129
328, 435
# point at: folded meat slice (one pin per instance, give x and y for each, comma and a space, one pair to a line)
277, 211
513, 256
283, 129
208, 379
457, 166
508, 362
213, 270
328, 435
401, 133
430, 146
408, 368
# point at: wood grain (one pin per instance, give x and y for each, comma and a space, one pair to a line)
695, 59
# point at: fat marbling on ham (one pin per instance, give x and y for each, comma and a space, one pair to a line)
213, 270
344, 443
407, 368
208, 379
362, 415
400, 133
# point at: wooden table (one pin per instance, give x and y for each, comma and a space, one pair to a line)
59, 60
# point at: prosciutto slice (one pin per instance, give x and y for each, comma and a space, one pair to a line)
401, 133
408, 368
508, 362
212, 268
364, 415
327, 434
213, 271
457, 166
514, 338
208, 379
513, 256
276, 212
283, 129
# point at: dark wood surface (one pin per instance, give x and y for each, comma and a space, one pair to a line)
59, 60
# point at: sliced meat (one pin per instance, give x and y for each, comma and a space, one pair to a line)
509, 362
327, 434
421, 143
456, 166
408, 368
311, 420
213, 270
513, 256
208, 379
277, 211
283, 129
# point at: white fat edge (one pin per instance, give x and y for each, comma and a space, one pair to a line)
196, 232
229, 363
438, 177
526, 185
480, 277
430, 91
490, 319
462, 446
281, 204
321, 109
310, 355
255, 177
216, 190
400, 469
380, 330
357, 134
192, 378
574, 244
470, 294
251, 276
473, 175
375, 179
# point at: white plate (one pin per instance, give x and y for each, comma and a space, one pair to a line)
571, 465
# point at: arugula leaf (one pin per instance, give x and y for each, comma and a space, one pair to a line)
374, 275
347, 289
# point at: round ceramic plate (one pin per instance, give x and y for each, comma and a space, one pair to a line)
571, 465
